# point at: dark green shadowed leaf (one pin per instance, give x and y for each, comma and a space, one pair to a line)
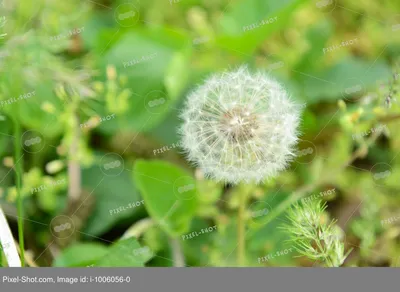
169, 193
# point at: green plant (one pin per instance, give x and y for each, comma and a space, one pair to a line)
314, 236
95, 90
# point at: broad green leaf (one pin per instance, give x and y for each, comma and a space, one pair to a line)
240, 16
337, 81
99, 24
80, 255
125, 253
270, 239
176, 76
169, 193
116, 198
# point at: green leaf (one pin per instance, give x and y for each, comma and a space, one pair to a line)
176, 76
114, 198
125, 253
270, 238
236, 21
99, 24
80, 255
169, 193
331, 83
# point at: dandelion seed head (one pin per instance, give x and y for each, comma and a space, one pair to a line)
240, 126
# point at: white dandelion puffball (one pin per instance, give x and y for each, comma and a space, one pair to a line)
240, 126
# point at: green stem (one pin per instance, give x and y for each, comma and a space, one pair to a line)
283, 206
322, 250
177, 253
18, 174
241, 229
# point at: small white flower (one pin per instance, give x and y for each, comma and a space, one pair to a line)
240, 126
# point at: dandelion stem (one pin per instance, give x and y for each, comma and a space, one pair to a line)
241, 229
18, 173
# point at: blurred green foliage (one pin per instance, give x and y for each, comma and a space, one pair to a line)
85, 61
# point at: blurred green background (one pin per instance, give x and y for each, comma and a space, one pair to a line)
96, 88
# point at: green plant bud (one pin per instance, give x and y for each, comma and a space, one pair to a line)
54, 166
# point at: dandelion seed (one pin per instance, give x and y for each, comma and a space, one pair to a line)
240, 126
